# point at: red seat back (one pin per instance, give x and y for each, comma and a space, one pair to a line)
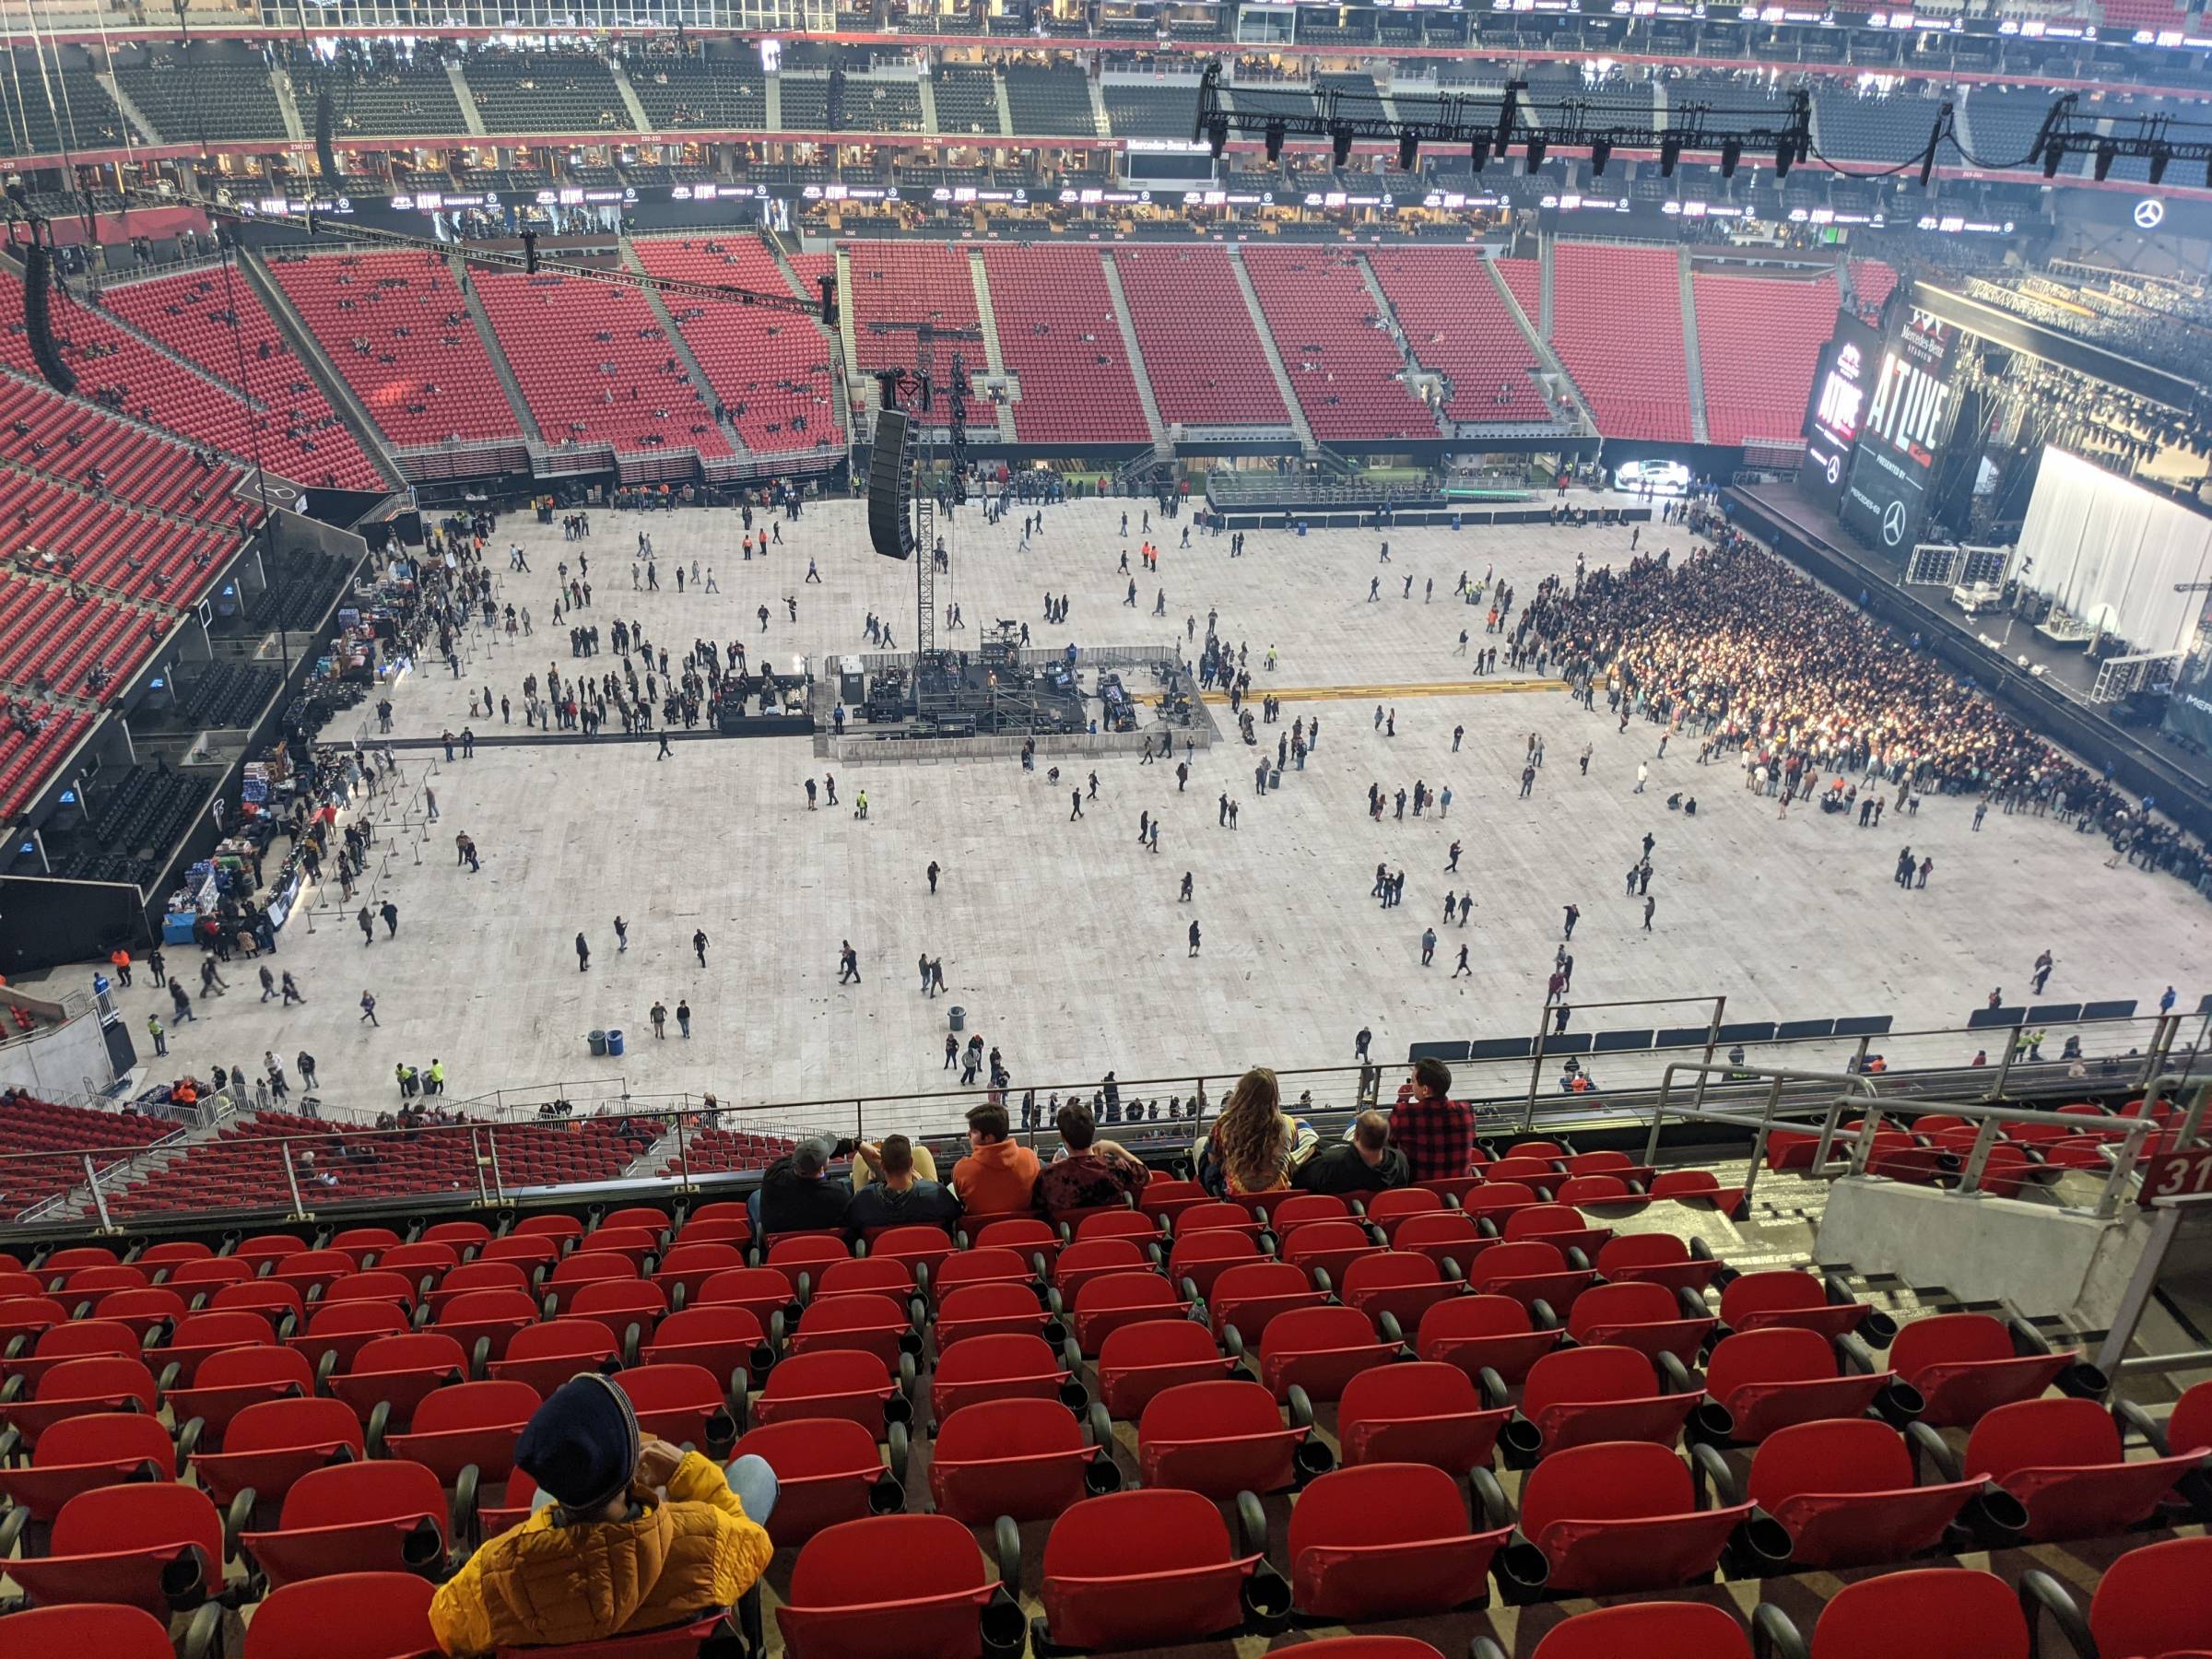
1937, 1613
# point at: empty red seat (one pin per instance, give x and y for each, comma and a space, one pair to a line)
1320, 1350
879, 1276
546, 1356
1403, 1283
1530, 1271
154, 1547
469, 1426
871, 1324
1106, 1305
1696, 1186
979, 1266
363, 1517
1388, 1540
1026, 1458
1622, 1516
827, 1471
271, 1445
1197, 1260
1966, 1364
74, 1388
835, 1382
1137, 1362
344, 1616
924, 1588
229, 1380
1247, 1296
2155, 1602
1643, 1317
1648, 1630
1032, 1239
338, 1331
1004, 1367
1328, 1247
1786, 1297
1581, 1396
1558, 1224
1094, 1258
78, 1339
723, 1338
1290, 1212
688, 1265
995, 1307
1769, 1379
399, 1373
2063, 1460
1844, 1492
1425, 1412
1147, 1569
112, 1632
681, 1404
1478, 1332
761, 1291
1933, 1613
484, 1321
1655, 1259
1221, 1438
82, 1452
1447, 1236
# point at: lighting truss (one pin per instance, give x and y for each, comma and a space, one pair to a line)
2158, 139
1491, 126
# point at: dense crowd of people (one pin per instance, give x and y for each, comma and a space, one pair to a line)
1735, 651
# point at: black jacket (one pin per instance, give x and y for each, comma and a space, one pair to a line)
1340, 1168
924, 1204
794, 1203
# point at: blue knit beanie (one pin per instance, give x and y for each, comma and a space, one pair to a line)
582, 1444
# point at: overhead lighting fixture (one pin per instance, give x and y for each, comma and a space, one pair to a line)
1670, 152
2106, 156
1731, 152
1536, 152
1340, 144
1276, 133
1601, 152
1481, 152
1217, 134
1409, 150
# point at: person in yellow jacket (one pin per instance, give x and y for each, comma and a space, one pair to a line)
632, 1535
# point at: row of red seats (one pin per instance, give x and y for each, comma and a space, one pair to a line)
1058, 333
1346, 371
1202, 354
1616, 325
897, 282
399, 331
1759, 341
1935, 1148
42, 430
1457, 324
596, 366
108, 543
190, 314
54, 641
771, 370
28, 761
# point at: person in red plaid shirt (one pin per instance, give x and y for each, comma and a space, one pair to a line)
1435, 1131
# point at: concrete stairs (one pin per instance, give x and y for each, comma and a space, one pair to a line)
1098, 109
1005, 110
287, 105
116, 321
311, 356
500, 366
987, 320
1414, 373
1698, 432
1274, 358
928, 87
1160, 443
131, 112
677, 343
1547, 361
471, 117
640, 120
773, 104
849, 343
840, 400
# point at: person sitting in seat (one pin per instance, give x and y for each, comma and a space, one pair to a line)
1364, 1161
998, 1174
627, 1534
1090, 1172
798, 1193
899, 1191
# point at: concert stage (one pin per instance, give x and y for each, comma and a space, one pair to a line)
2054, 701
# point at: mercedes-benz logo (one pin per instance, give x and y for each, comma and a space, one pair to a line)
1893, 523
2150, 213
1835, 468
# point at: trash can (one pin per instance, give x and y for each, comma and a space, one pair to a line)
614, 1043
958, 1017
598, 1041
1301, 526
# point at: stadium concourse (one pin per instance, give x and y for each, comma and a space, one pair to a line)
1066, 942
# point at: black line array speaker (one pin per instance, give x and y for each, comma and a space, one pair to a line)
325, 152
891, 520
38, 319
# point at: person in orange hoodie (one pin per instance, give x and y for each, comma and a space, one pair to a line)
998, 1175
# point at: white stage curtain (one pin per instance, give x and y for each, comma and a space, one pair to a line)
2112, 552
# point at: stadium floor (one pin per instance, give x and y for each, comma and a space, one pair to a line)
1065, 941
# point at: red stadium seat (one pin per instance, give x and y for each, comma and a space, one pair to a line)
1449, 1236
1005, 1367
1655, 1259
1197, 1260
1621, 1516
1247, 1297
345, 1615
1647, 1631
1424, 1412
149, 1547
229, 1381
1330, 1246
1150, 1568
1844, 1492
761, 1291
75, 1388
924, 1578
1934, 1613
870, 1323
2063, 1460
1221, 1439
1119, 1300
979, 1266
1386, 1541
1785, 1297
470, 1425
687, 1267
1320, 1350
1026, 1458
74, 1456
1558, 1224
484, 1321
546, 1356
1965, 1364
723, 1339
1642, 1316
2153, 1603
1095, 1258
683, 1405
876, 1276
400, 1373
1583, 1395
1137, 1362
112, 1632
1403, 1283
1031, 1241
365, 1517
995, 1307
836, 1383
1475, 1333
629, 1309
920, 1248
827, 1471
1769, 1379
271, 1445
1530, 1271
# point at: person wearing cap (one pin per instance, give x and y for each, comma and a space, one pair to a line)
797, 1193
628, 1534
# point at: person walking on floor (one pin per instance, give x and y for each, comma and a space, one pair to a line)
1194, 939
583, 953
368, 1008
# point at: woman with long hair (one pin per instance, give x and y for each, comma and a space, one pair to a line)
1253, 1145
